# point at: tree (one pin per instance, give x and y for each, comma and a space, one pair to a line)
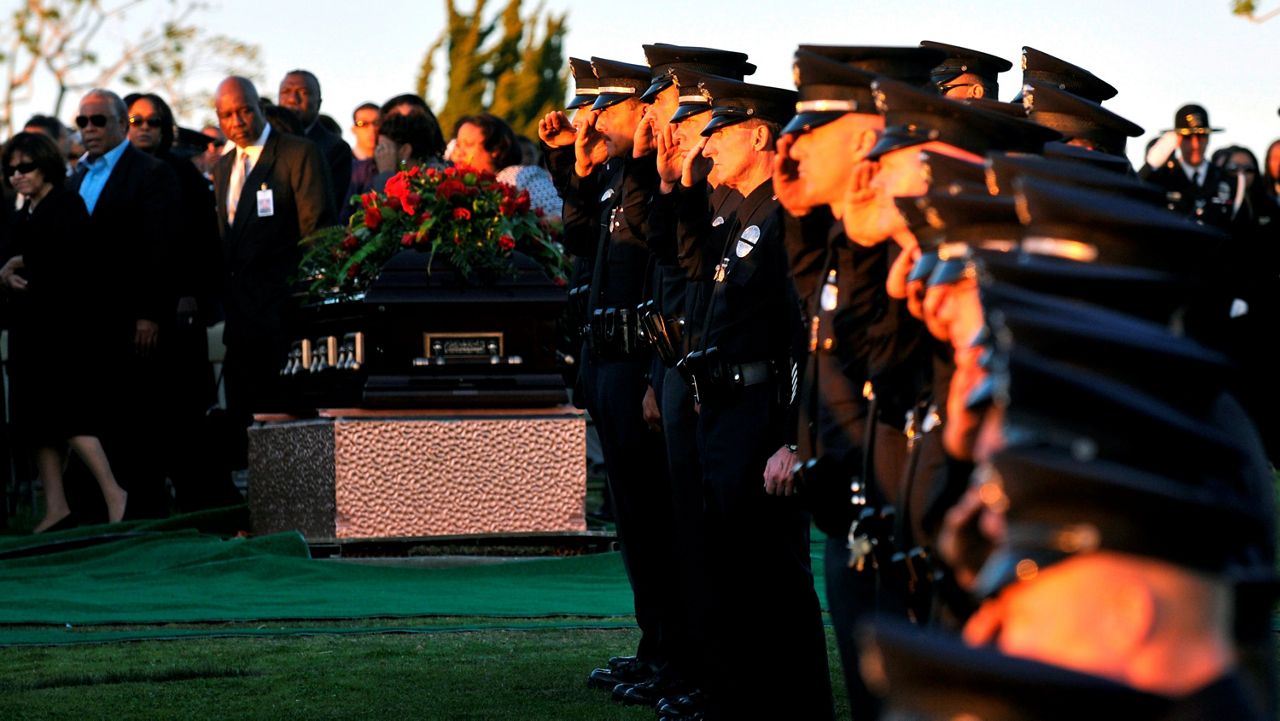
518, 77
62, 41
1249, 9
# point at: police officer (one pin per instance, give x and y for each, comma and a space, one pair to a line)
742, 373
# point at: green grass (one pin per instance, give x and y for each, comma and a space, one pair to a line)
489, 674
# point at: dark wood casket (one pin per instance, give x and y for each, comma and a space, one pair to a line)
419, 339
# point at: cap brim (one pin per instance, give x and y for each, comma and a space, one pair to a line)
947, 272
891, 141
923, 268
684, 112
722, 121
1001, 569
581, 101
1196, 131
658, 85
804, 122
604, 100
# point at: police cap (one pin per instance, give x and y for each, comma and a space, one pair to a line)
618, 81
585, 85
733, 101
964, 61
1043, 67
663, 58
1077, 118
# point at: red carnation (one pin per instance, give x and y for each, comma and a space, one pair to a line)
353, 270
461, 214
407, 239
410, 203
522, 201
397, 186
372, 218
350, 242
369, 200
450, 171
506, 242
450, 188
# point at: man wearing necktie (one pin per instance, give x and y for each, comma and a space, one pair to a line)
1179, 163
270, 194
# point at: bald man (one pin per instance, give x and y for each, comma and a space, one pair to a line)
271, 193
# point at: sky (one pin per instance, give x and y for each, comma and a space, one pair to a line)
1159, 55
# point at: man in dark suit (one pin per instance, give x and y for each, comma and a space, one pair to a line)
300, 92
131, 198
270, 194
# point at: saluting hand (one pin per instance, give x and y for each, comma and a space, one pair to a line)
588, 145
859, 198
145, 335
670, 159
555, 130
787, 183
696, 167
643, 142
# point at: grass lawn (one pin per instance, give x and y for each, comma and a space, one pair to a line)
486, 674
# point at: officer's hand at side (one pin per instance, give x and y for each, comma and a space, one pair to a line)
555, 130
9, 278
792, 193
145, 336
778, 480
652, 413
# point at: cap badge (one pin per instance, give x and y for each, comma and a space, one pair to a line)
719, 221
607, 194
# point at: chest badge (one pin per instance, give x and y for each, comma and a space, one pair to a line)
607, 194
747, 241
719, 221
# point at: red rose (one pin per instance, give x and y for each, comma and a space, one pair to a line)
522, 201
350, 242
450, 188
461, 214
407, 239
369, 200
560, 282
539, 212
506, 242
426, 215
372, 218
353, 270
397, 185
410, 203
450, 171
414, 172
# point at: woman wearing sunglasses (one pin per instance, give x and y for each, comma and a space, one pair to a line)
53, 276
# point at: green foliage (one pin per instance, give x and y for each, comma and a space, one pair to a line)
517, 74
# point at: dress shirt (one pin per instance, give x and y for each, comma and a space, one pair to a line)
1195, 173
97, 173
245, 159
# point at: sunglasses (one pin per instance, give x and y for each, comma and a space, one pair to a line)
22, 168
98, 121
944, 89
151, 122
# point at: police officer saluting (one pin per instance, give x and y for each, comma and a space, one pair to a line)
765, 611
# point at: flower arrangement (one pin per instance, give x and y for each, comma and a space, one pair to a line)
460, 214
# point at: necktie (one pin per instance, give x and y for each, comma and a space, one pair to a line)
239, 172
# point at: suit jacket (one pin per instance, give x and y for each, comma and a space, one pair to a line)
337, 158
261, 253
136, 215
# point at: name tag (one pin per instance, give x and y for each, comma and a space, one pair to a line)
266, 202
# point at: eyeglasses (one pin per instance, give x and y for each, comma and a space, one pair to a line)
366, 123
152, 122
944, 89
20, 168
1246, 169
98, 121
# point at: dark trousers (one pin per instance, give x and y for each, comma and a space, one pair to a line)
251, 372
680, 429
851, 599
766, 623
635, 458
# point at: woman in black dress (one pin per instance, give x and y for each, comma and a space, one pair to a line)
60, 350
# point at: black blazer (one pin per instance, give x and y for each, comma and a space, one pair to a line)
260, 254
337, 158
136, 215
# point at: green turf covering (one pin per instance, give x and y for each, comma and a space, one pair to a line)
151, 574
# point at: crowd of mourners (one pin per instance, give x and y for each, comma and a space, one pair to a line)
1018, 390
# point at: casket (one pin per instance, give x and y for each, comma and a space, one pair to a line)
424, 337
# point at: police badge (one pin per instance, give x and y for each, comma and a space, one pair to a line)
747, 241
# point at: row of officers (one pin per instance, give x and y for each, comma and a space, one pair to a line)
1000, 372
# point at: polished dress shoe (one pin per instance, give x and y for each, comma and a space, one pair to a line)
618, 661
625, 672
683, 705
650, 692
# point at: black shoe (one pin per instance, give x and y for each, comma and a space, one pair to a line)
683, 705
619, 661
650, 692
692, 716
626, 672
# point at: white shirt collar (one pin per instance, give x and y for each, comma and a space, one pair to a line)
254, 149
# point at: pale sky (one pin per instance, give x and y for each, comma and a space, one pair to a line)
1159, 55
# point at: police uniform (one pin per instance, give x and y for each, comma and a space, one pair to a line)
613, 374
744, 325
1206, 198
